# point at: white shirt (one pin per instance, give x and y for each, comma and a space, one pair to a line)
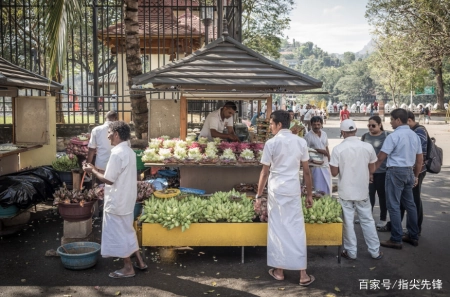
352, 157
284, 153
214, 121
314, 141
308, 114
358, 103
120, 197
264, 108
99, 140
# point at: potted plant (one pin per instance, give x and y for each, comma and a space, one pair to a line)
75, 205
144, 192
64, 166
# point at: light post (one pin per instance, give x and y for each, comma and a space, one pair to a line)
207, 13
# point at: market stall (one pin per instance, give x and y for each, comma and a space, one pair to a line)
223, 70
33, 117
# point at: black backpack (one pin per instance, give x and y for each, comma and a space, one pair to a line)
434, 156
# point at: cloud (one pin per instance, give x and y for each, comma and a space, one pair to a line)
331, 37
332, 11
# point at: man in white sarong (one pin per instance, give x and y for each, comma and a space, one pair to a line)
318, 140
118, 235
286, 238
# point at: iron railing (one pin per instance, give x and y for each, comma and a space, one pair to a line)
94, 67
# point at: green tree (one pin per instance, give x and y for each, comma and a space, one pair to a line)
424, 25
263, 23
349, 57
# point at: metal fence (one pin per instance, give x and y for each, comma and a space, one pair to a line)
95, 74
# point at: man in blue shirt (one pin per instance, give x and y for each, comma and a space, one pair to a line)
403, 151
423, 135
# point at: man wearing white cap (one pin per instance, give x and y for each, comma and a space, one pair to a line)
354, 161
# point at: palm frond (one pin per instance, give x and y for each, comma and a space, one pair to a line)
60, 15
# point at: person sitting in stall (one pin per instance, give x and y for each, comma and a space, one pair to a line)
218, 120
296, 126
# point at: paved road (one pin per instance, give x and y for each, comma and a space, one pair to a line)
25, 271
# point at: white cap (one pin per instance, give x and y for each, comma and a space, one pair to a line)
348, 126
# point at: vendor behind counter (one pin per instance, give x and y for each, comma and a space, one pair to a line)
217, 121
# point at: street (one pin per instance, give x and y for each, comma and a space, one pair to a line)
217, 271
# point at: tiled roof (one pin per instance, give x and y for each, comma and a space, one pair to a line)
227, 65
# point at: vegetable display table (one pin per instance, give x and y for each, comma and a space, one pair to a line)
212, 177
234, 234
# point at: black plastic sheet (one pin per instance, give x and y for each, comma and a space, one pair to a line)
29, 187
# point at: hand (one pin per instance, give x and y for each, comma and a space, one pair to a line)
309, 201
416, 181
88, 167
371, 178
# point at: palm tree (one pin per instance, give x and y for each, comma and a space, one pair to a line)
63, 15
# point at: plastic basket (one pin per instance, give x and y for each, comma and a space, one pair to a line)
192, 191
139, 163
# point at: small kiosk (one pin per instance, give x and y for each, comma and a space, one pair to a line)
33, 117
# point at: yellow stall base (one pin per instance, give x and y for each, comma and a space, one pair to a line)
232, 234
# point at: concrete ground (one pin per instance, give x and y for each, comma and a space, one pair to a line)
216, 271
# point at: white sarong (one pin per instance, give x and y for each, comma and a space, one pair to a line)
321, 177
118, 236
286, 238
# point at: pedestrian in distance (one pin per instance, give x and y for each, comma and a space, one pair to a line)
344, 114
286, 240
118, 235
376, 137
403, 151
354, 161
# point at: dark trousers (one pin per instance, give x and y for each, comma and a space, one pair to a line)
378, 186
417, 200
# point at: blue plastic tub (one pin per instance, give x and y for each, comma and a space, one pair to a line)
81, 255
192, 191
9, 211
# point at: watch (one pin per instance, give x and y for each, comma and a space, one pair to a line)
256, 196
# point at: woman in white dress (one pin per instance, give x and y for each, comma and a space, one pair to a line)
286, 238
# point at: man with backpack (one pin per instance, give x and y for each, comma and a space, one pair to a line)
423, 135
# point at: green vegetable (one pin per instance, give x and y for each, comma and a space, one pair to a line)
66, 163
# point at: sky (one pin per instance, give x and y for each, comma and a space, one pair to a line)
336, 26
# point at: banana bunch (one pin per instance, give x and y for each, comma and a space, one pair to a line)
324, 210
220, 207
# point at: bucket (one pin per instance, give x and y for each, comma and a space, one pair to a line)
79, 255
137, 210
139, 163
66, 177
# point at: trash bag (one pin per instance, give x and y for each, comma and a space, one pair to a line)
21, 191
48, 175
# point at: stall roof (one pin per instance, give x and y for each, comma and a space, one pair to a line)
17, 77
226, 65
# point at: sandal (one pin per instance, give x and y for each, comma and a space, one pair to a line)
118, 274
135, 265
311, 280
345, 255
272, 273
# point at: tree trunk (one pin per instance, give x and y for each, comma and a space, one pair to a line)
439, 87
139, 108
